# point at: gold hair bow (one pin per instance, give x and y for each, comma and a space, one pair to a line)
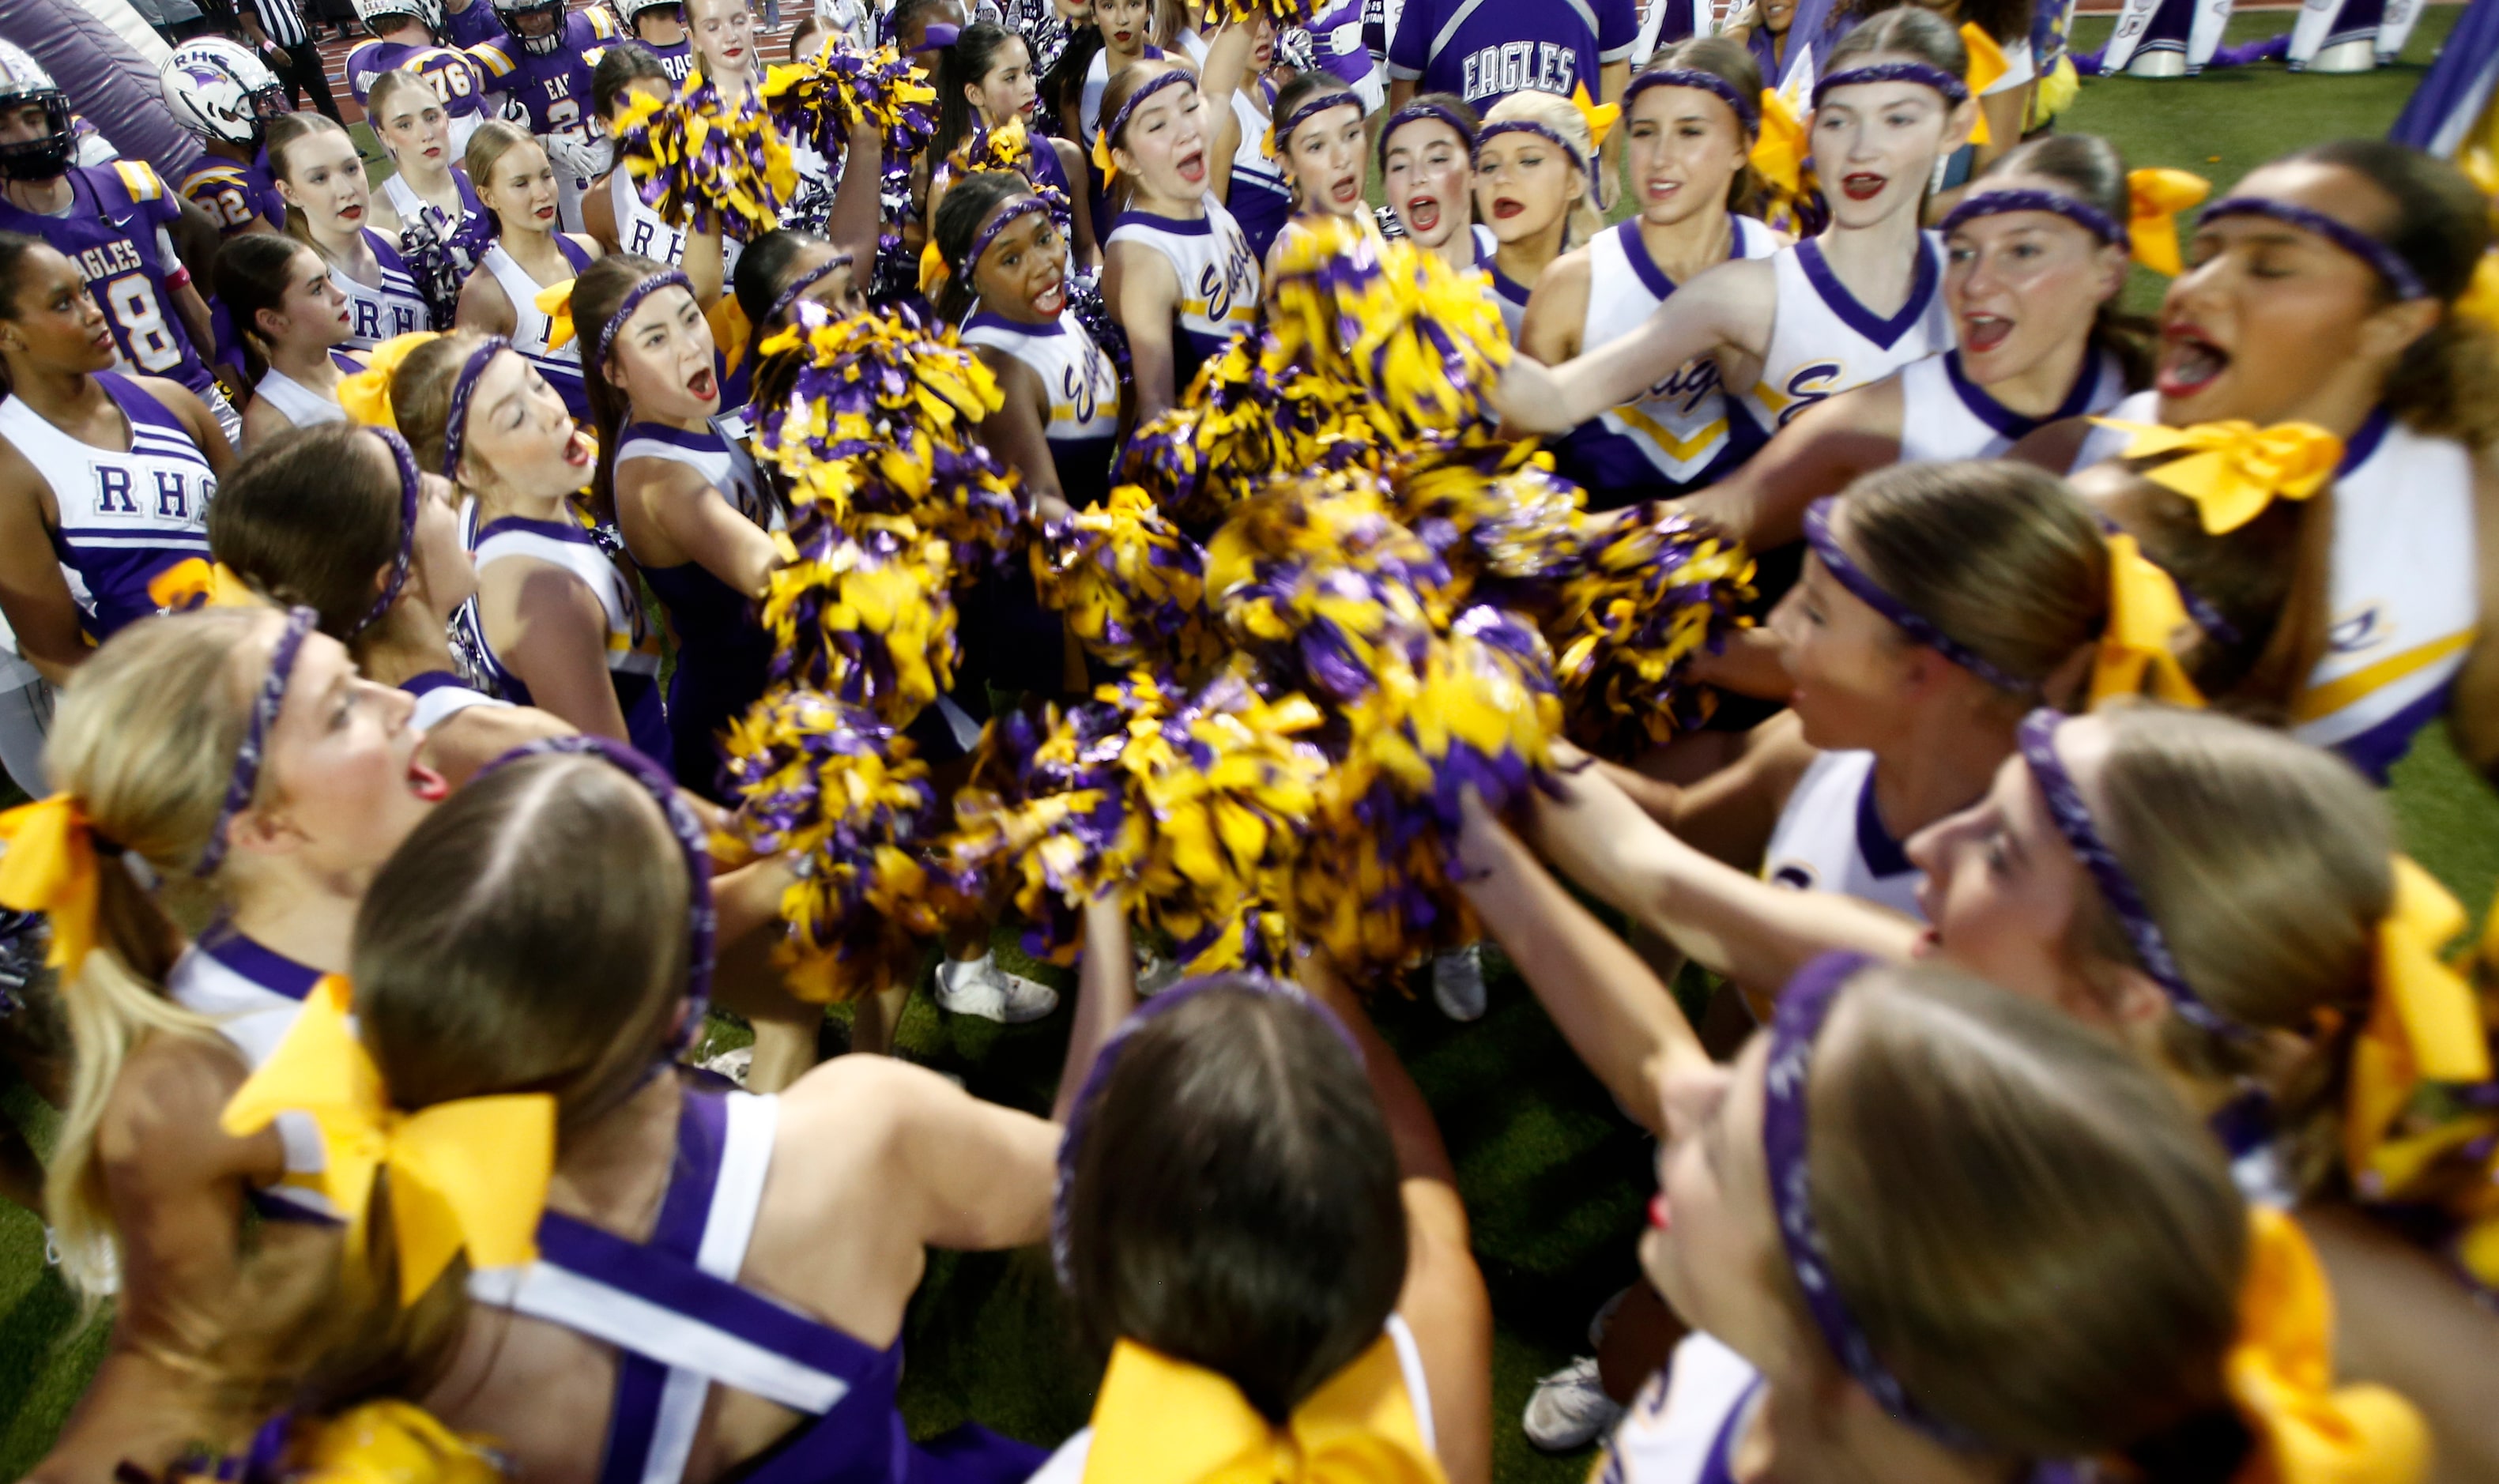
49, 867
1599, 116
366, 394
2281, 1375
2153, 199
731, 331
1987, 64
556, 303
2232, 470
194, 582
1102, 151
2424, 1025
1779, 150
387, 1443
932, 268
1165, 1421
2145, 617
466, 1175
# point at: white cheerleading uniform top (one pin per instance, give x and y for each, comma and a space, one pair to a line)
643, 232
1218, 273
396, 307
1945, 415
125, 516
442, 695
2404, 602
1506, 292
1082, 388
720, 458
530, 326
632, 649
253, 993
1683, 1426
1830, 838
409, 206
299, 404
1067, 1465
1679, 425
1824, 342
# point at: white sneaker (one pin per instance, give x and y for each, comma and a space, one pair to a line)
1570, 1409
1458, 983
733, 1064
980, 987
1154, 974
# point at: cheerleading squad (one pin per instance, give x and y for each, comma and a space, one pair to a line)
378, 1104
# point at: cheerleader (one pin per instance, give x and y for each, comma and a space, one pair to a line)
426, 185
321, 520
1248, 179
239, 758
2217, 897
1006, 285
723, 32
2036, 256
1534, 165
323, 181
1175, 29
1828, 1202
775, 272
1317, 135
1177, 272
1829, 313
403, 40
613, 211
547, 946
1427, 153
985, 81
528, 254
694, 511
1261, 1149
2323, 291
558, 619
103, 477
294, 320
1126, 36
1690, 121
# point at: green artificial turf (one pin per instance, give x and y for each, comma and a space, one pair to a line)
1555, 1176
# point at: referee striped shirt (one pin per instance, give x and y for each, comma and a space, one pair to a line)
282, 22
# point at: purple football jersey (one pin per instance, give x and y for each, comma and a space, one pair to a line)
1483, 50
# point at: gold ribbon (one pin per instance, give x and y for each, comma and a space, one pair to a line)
2281, 1375
194, 582
2145, 617
2153, 197
1987, 64
2233, 470
556, 303
366, 394
1165, 1421
2481, 298
1102, 152
2424, 1025
1598, 117
49, 867
731, 331
1779, 148
468, 1175
387, 1443
933, 267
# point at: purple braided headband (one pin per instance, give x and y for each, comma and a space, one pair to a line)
245, 781
1804, 1006
702, 926
1080, 1114
2389, 263
2081, 213
1542, 131
990, 231
455, 419
408, 491
1419, 110
1308, 110
1119, 120
2066, 805
1749, 111
790, 291
1844, 570
1955, 90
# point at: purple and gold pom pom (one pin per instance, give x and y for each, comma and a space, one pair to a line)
823, 98
1316, 582
1131, 587
867, 619
832, 785
699, 163
1655, 589
1240, 424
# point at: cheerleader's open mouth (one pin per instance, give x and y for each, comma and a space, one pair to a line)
577, 450
1983, 332
425, 783
1504, 208
1862, 185
1191, 167
544, 213
2188, 362
1346, 190
353, 211
1052, 296
1422, 214
1662, 189
703, 385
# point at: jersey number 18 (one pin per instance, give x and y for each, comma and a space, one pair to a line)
141, 319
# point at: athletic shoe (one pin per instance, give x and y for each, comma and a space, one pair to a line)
1458, 983
1571, 1409
980, 987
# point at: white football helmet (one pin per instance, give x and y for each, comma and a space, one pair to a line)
220, 91
627, 10
24, 80
426, 13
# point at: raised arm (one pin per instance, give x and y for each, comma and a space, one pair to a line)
858, 202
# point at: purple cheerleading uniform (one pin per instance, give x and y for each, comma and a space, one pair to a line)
1483, 50
112, 234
